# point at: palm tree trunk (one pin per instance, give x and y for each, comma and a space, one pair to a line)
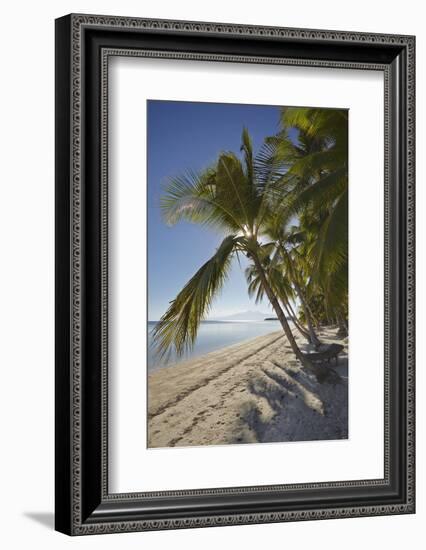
293, 313
343, 329
296, 323
278, 310
312, 334
294, 316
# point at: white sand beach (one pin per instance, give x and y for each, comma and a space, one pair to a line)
251, 392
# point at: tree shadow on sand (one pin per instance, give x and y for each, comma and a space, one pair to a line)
293, 404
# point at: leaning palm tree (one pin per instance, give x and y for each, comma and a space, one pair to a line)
283, 236
231, 196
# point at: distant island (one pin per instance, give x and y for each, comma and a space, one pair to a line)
271, 319
243, 316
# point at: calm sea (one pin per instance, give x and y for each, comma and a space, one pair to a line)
213, 335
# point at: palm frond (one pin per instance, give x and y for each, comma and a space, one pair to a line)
273, 159
234, 189
331, 248
315, 163
191, 197
247, 148
254, 285
316, 122
177, 329
324, 191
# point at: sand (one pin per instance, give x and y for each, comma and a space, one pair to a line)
252, 392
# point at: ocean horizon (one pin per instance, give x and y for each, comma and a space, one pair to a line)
213, 335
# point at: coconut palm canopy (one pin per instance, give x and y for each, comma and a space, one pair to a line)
285, 208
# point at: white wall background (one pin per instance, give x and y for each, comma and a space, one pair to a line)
26, 289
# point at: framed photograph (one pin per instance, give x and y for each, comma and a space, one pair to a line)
234, 274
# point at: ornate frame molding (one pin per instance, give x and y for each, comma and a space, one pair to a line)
72, 46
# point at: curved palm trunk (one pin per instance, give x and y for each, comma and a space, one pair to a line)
296, 323
312, 334
294, 316
278, 310
293, 313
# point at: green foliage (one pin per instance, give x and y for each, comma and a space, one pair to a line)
178, 328
318, 180
231, 196
295, 191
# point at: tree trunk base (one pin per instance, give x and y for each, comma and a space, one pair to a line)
342, 332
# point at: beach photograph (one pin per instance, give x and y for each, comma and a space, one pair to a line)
247, 274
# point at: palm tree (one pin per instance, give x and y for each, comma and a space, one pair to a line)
314, 184
281, 287
284, 239
231, 196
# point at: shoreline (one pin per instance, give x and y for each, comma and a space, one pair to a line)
206, 344
250, 392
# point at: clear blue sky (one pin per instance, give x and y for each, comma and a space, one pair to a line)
182, 136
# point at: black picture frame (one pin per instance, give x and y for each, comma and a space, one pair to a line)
83, 504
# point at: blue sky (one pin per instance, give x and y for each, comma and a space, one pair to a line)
183, 136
